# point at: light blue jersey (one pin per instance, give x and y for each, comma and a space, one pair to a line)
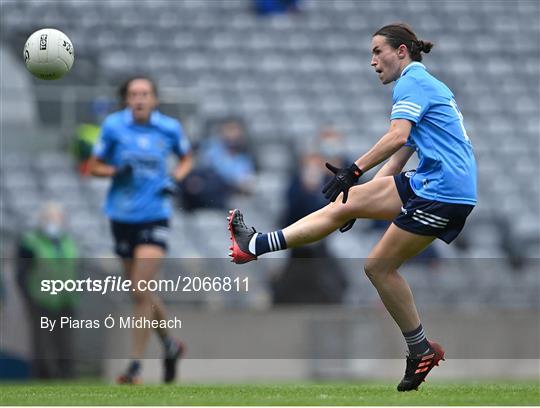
139, 197
447, 168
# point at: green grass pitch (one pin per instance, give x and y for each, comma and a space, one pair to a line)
478, 393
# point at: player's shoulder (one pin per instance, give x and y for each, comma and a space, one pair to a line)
419, 81
165, 122
114, 119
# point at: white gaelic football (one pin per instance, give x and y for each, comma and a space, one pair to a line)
48, 54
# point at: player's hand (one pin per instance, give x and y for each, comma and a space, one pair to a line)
170, 189
343, 180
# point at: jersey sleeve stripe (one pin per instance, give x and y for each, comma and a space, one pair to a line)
409, 104
406, 107
403, 110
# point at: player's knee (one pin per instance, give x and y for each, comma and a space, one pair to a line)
369, 269
141, 296
376, 269
339, 212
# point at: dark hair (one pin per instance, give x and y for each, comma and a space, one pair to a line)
123, 90
399, 33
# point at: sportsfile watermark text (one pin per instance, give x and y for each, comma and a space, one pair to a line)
113, 284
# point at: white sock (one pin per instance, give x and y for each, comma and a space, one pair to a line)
252, 242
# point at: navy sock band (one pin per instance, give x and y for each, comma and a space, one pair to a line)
270, 242
134, 367
416, 341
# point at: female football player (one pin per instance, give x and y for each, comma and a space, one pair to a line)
133, 150
431, 202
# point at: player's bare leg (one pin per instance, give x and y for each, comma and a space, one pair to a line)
145, 267
394, 248
381, 267
376, 199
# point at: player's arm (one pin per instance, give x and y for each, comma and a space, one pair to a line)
389, 144
101, 153
99, 168
183, 167
396, 163
182, 149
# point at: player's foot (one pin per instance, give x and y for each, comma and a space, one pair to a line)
128, 378
171, 359
240, 236
418, 367
131, 375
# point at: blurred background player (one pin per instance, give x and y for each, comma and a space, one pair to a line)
428, 203
133, 149
48, 252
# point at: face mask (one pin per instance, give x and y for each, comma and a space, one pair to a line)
331, 149
52, 230
235, 145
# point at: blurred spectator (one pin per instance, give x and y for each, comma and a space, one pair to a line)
304, 190
312, 274
269, 7
87, 134
48, 252
331, 146
224, 167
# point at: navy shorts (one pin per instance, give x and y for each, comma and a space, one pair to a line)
128, 236
427, 217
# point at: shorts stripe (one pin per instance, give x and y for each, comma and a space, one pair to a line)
425, 222
429, 220
432, 215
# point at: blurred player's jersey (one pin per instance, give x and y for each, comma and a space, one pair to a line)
139, 197
447, 168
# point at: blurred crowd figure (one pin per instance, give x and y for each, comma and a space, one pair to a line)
48, 252
312, 273
224, 167
271, 7
87, 133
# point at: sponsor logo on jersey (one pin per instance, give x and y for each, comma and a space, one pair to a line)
143, 142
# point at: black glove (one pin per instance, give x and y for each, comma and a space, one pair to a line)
343, 180
124, 170
347, 226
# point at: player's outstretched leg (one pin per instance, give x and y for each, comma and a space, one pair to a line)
418, 367
376, 199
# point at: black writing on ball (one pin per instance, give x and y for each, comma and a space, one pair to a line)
43, 42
